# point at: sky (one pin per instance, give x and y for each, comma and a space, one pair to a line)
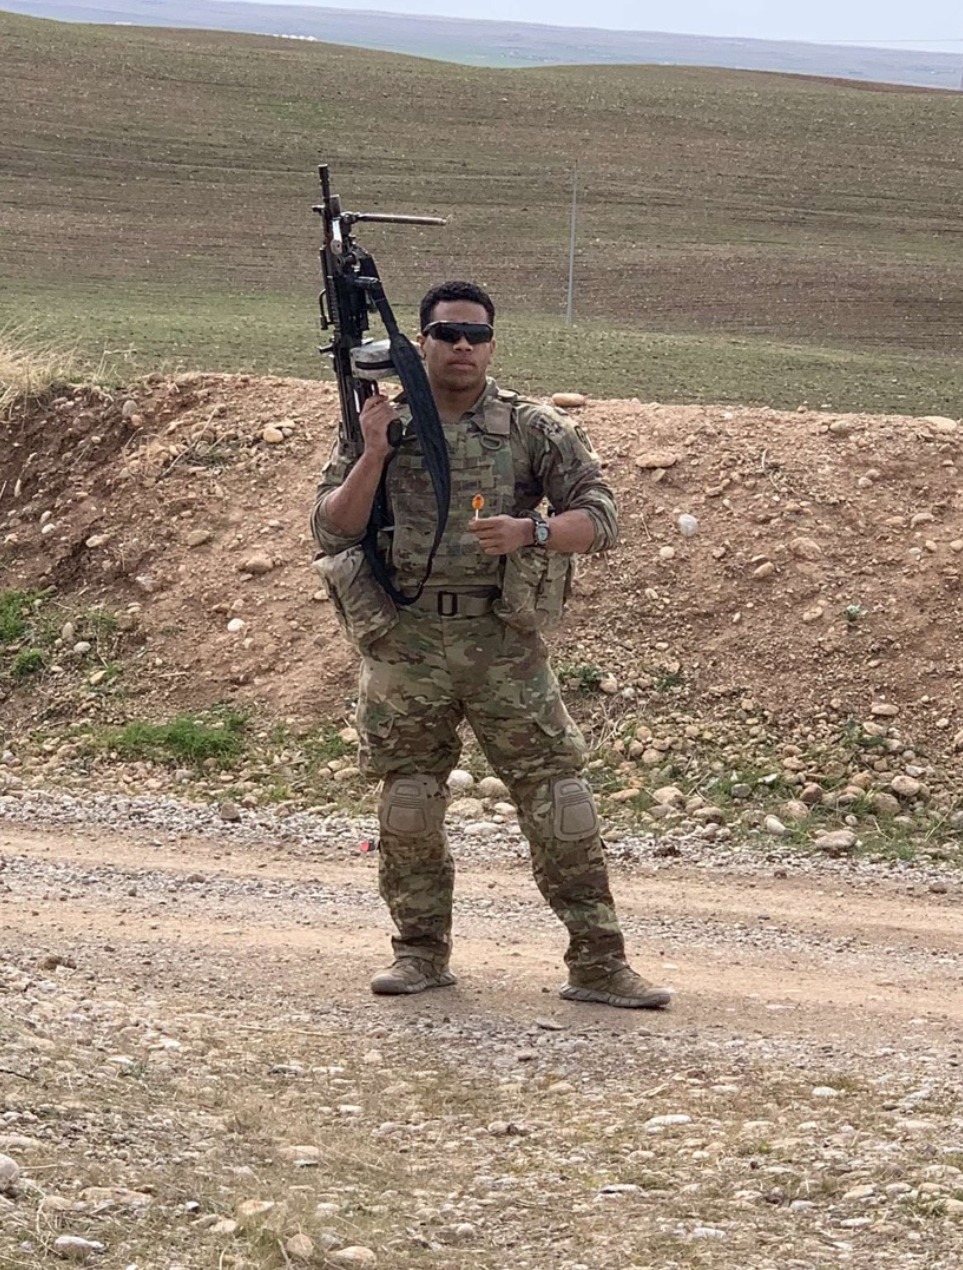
932, 24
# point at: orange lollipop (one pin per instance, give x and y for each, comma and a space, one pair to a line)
478, 502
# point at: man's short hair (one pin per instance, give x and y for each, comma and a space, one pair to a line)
446, 291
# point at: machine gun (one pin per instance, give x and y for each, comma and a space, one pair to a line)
352, 289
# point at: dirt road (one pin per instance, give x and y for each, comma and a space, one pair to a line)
798, 1106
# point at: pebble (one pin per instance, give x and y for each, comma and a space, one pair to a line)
9, 1174
73, 1248
253, 1210
906, 786
795, 810
650, 460
884, 710
806, 549
669, 796
356, 1255
256, 564
198, 537
116, 1197
492, 787
838, 843
860, 1192
886, 804
666, 1122
301, 1156
272, 435
460, 781
299, 1248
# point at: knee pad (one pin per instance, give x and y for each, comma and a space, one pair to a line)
413, 804
575, 815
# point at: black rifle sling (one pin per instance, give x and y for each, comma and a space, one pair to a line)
430, 433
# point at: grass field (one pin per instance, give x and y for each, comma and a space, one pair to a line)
742, 237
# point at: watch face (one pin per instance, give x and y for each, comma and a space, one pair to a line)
541, 532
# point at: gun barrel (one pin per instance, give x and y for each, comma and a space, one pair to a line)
385, 217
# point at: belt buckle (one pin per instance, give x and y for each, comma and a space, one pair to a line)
447, 603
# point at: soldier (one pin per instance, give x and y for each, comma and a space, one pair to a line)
470, 647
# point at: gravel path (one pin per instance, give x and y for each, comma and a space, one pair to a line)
185, 1019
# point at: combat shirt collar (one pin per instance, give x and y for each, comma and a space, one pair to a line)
487, 394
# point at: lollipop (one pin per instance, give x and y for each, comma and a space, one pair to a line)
478, 502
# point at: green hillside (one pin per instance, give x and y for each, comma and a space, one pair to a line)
741, 236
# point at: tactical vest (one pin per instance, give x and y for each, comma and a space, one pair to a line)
480, 455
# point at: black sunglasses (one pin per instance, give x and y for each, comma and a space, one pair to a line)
452, 332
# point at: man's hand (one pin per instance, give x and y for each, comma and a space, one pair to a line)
377, 414
501, 535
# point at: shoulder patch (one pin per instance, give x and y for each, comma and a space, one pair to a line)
545, 418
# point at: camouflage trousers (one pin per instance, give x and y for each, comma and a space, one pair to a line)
418, 683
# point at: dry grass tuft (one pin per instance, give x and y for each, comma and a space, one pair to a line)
29, 367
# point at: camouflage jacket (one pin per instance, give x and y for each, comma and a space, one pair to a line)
517, 453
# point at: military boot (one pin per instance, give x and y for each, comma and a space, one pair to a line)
615, 985
410, 974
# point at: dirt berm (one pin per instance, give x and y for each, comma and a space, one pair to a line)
808, 631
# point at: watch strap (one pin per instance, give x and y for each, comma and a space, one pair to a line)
541, 532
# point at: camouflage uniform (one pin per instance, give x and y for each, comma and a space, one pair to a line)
453, 657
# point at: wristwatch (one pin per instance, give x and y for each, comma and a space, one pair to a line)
542, 528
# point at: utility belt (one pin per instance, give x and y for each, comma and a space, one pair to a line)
456, 603
534, 587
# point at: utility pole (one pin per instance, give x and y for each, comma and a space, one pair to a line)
571, 246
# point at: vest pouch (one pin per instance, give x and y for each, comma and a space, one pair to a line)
364, 611
535, 586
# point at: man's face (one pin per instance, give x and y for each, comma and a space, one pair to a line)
459, 367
